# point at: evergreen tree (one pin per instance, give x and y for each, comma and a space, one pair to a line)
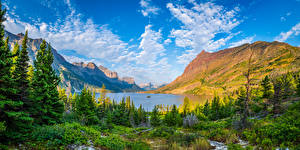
172, 118
47, 107
267, 87
20, 74
278, 94
63, 97
154, 118
186, 106
215, 108
141, 115
15, 53
85, 107
206, 108
298, 87
288, 83
13, 120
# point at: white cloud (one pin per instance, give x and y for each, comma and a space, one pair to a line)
151, 46
85, 37
241, 42
147, 8
283, 36
146, 61
167, 41
201, 24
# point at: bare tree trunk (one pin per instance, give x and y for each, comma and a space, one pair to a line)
248, 90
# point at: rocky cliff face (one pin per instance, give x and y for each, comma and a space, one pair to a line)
223, 71
110, 74
75, 76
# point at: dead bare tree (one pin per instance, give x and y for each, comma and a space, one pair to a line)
248, 85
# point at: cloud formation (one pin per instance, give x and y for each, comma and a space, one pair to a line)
99, 44
200, 26
294, 31
148, 9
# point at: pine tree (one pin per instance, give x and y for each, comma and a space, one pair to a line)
215, 108
206, 108
141, 114
298, 87
15, 53
186, 106
85, 107
13, 120
63, 97
154, 118
47, 107
20, 74
267, 87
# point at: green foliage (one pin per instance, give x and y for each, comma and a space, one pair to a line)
267, 87
20, 74
47, 107
85, 107
162, 131
155, 117
14, 121
186, 106
201, 144
173, 118
64, 98
283, 130
55, 136
183, 139
298, 87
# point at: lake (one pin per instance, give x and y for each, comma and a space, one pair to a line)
155, 99
147, 103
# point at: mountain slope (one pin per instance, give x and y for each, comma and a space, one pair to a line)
75, 77
222, 71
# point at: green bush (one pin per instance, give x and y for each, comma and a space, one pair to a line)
283, 130
207, 125
201, 144
59, 136
183, 139
162, 132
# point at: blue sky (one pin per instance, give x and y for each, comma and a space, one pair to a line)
152, 40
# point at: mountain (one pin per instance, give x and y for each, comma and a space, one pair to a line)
223, 71
149, 86
75, 76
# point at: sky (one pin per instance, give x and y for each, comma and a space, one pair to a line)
151, 40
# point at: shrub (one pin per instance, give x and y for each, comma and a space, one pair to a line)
183, 139
162, 132
201, 144
283, 130
190, 120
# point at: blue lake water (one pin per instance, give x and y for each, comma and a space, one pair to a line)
147, 103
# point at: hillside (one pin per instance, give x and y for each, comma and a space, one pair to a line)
221, 72
75, 77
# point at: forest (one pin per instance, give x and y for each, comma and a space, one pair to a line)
36, 113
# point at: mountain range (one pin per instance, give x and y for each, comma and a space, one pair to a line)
223, 71
77, 75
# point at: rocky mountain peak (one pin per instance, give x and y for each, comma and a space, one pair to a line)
108, 73
20, 35
129, 80
91, 65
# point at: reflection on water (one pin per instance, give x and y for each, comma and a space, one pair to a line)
148, 101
